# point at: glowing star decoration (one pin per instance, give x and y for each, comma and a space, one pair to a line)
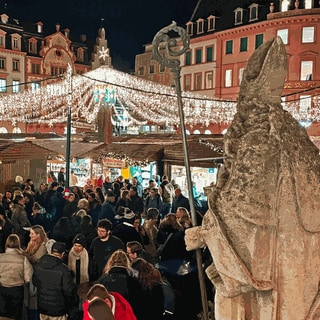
104, 53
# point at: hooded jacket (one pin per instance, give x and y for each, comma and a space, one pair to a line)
56, 290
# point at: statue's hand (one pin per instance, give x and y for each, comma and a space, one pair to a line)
193, 238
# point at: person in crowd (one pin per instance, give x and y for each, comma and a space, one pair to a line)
70, 206
122, 201
107, 185
20, 220
74, 181
78, 193
166, 191
126, 230
49, 202
88, 230
63, 232
6, 203
51, 177
135, 251
107, 211
30, 199
137, 223
116, 190
99, 181
126, 184
29, 182
94, 207
98, 309
35, 250
118, 275
120, 307
19, 183
146, 191
6, 227
120, 180
61, 177
153, 200
78, 260
183, 217
151, 225
112, 199
180, 200
15, 271
136, 183
150, 294
56, 291
88, 185
102, 248
99, 195
40, 194
83, 203
135, 203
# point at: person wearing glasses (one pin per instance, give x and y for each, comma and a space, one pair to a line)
102, 247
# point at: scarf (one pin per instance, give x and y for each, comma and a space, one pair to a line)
84, 264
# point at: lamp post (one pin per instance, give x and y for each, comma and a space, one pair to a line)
69, 99
168, 60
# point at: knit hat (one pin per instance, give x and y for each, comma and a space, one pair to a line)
81, 239
18, 179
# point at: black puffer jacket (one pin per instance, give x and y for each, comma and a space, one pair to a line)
56, 290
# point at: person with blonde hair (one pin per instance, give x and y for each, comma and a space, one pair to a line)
15, 271
184, 218
118, 275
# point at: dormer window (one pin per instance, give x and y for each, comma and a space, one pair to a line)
32, 45
253, 12
211, 23
238, 16
39, 27
189, 28
285, 5
308, 4
80, 55
16, 41
200, 23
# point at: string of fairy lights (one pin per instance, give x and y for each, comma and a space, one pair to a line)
146, 102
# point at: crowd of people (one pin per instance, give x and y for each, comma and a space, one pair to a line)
97, 252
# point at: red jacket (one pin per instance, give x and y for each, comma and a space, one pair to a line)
122, 310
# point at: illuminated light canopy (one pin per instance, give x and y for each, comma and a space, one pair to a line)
145, 101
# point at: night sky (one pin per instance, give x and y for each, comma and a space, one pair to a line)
129, 24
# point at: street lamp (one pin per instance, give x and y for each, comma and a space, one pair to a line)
167, 60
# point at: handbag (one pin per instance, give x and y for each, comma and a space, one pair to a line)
162, 246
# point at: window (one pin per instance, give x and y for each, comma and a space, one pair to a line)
80, 54
259, 40
308, 4
198, 81
3, 85
198, 56
200, 26
228, 78
151, 69
307, 34
35, 87
283, 34
161, 68
141, 71
243, 44
238, 13
211, 23
188, 58
3, 130
15, 43
2, 41
2, 63
209, 80
35, 68
229, 45
15, 86
240, 74
190, 28
209, 54
187, 82
253, 12
32, 46
15, 65
306, 70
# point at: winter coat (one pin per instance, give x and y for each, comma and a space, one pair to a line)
56, 291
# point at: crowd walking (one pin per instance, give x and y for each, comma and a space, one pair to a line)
97, 251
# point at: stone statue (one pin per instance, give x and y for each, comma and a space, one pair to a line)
263, 223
